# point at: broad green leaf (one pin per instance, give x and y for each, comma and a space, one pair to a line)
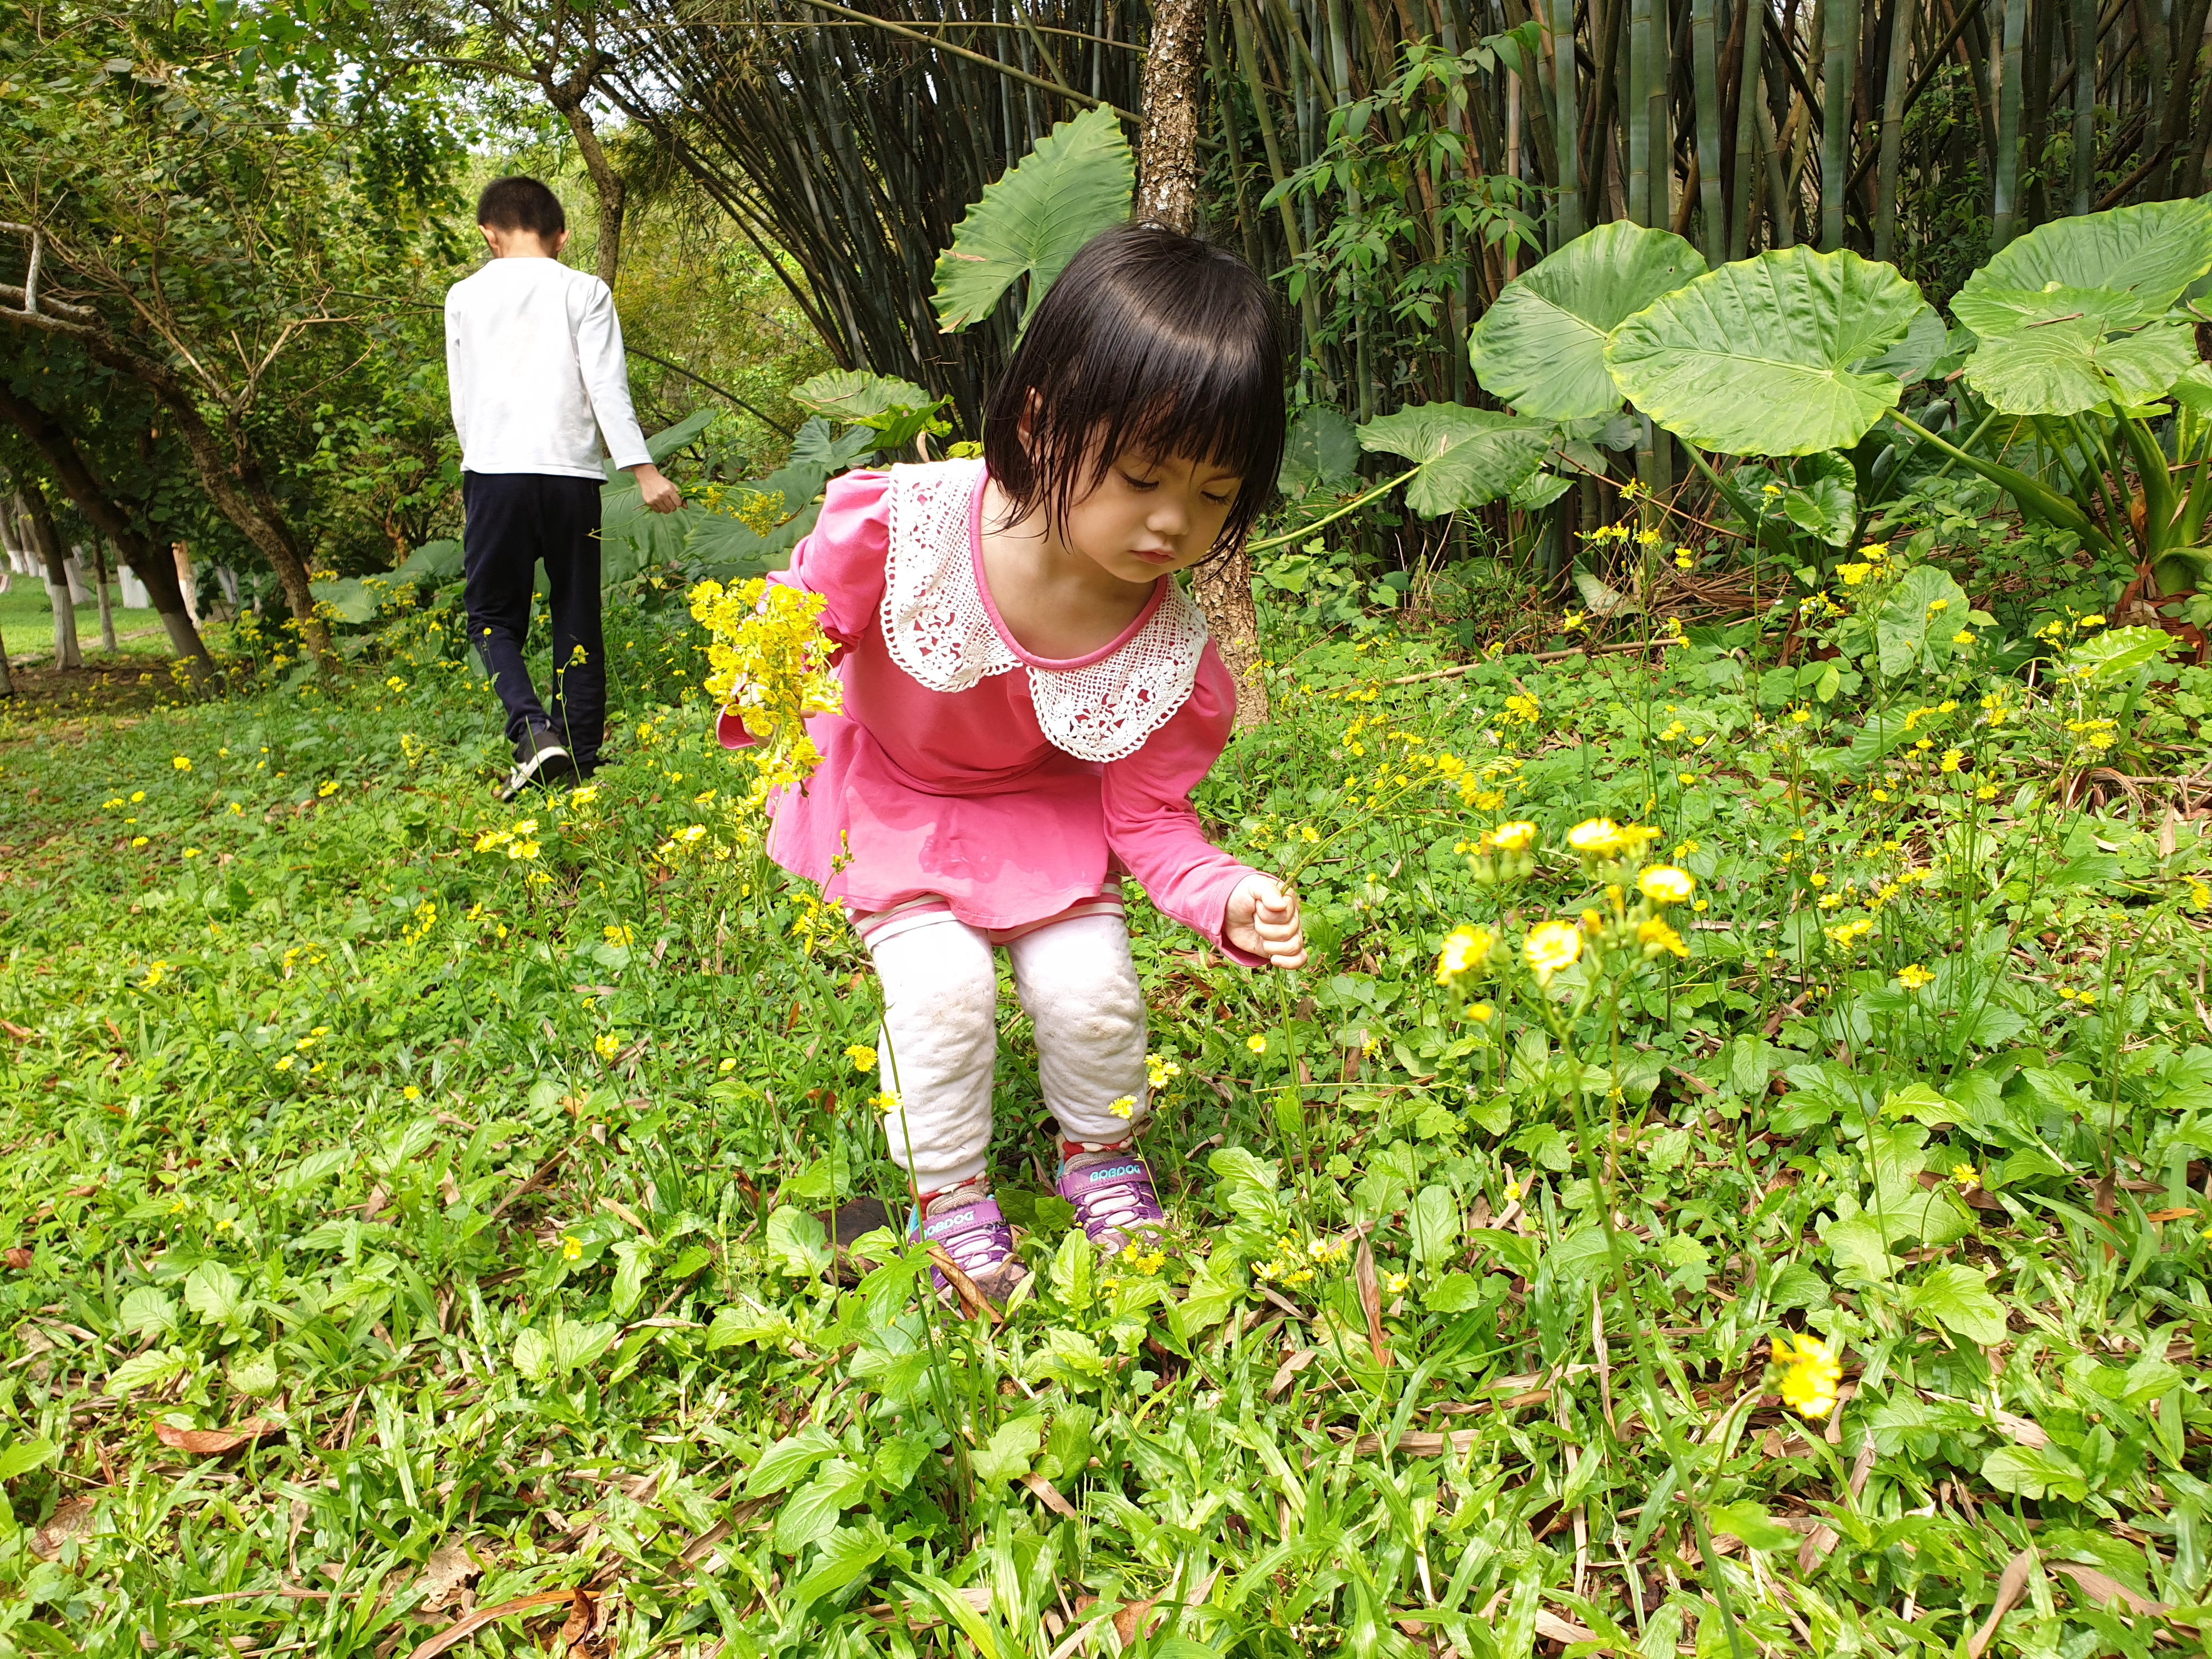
1077, 182
810, 1514
576, 1344
1211, 1293
433, 561
2113, 655
1926, 603
636, 1257
1992, 312
212, 1292
1755, 358
663, 444
349, 599
852, 394
789, 1459
2063, 369
2033, 1471
255, 1373
814, 447
847, 1553
896, 1460
24, 1456
1912, 358
1538, 490
1452, 1293
534, 1354
1826, 505
1751, 1524
1435, 1222
1540, 349
1466, 456
1007, 1456
797, 1242
1245, 1184
1857, 1245
1071, 1271
1320, 450
1069, 1443
2193, 391
149, 1312
147, 1370
1958, 1298
314, 1169
2153, 252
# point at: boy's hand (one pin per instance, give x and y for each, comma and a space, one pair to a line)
660, 495
1263, 921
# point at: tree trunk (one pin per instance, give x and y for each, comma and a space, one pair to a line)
1167, 150
32, 501
157, 572
233, 483
1167, 194
100, 587
606, 185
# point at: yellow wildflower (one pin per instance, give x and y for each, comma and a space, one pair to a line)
1809, 1374
1914, 977
1257, 1042
1125, 1108
1551, 946
1465, 948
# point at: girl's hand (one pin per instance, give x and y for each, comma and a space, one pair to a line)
1263, 921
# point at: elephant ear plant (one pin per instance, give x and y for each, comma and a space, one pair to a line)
2079, 348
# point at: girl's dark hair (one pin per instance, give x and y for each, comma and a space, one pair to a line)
1149, 340
519, 204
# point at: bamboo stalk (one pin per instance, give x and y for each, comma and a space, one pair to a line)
1560, 32
1893, 130
2085, 102
1706, 68
1639, 122
2005, 171
1746, 128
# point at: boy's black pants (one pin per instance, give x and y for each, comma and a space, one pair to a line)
515, 520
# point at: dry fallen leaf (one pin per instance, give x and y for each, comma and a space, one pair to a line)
213, 1442
1371, 1301
18, 1258
72, 1518
2010, 1588
2104, 1590
461, 1629
1289, 1369
1048, 1495
446, 1578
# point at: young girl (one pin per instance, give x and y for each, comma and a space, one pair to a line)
1030, 699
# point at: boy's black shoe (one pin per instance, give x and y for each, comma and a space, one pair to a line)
539, 757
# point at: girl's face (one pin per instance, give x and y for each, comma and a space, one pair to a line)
1152, 514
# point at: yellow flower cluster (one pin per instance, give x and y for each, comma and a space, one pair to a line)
769, 664
1809, 1374
1159, 1070
862, 1056
520, 840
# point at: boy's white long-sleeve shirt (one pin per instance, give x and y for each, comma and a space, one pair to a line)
534, 358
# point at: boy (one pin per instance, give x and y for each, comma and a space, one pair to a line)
534, 355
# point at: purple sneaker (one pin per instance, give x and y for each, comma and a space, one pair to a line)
1113, 1194
965, 1221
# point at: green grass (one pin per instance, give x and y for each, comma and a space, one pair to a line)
27, 623
479, 1192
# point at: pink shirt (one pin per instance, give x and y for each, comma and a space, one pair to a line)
960, 793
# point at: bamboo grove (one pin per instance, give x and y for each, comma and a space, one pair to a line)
1394, 161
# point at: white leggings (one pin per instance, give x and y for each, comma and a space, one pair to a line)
939, 1045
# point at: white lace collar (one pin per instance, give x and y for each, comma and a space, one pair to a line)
938, 627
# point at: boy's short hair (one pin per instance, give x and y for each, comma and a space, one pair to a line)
521, 204
1149, 339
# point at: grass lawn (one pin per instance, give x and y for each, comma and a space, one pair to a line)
26, 623
417, 1205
